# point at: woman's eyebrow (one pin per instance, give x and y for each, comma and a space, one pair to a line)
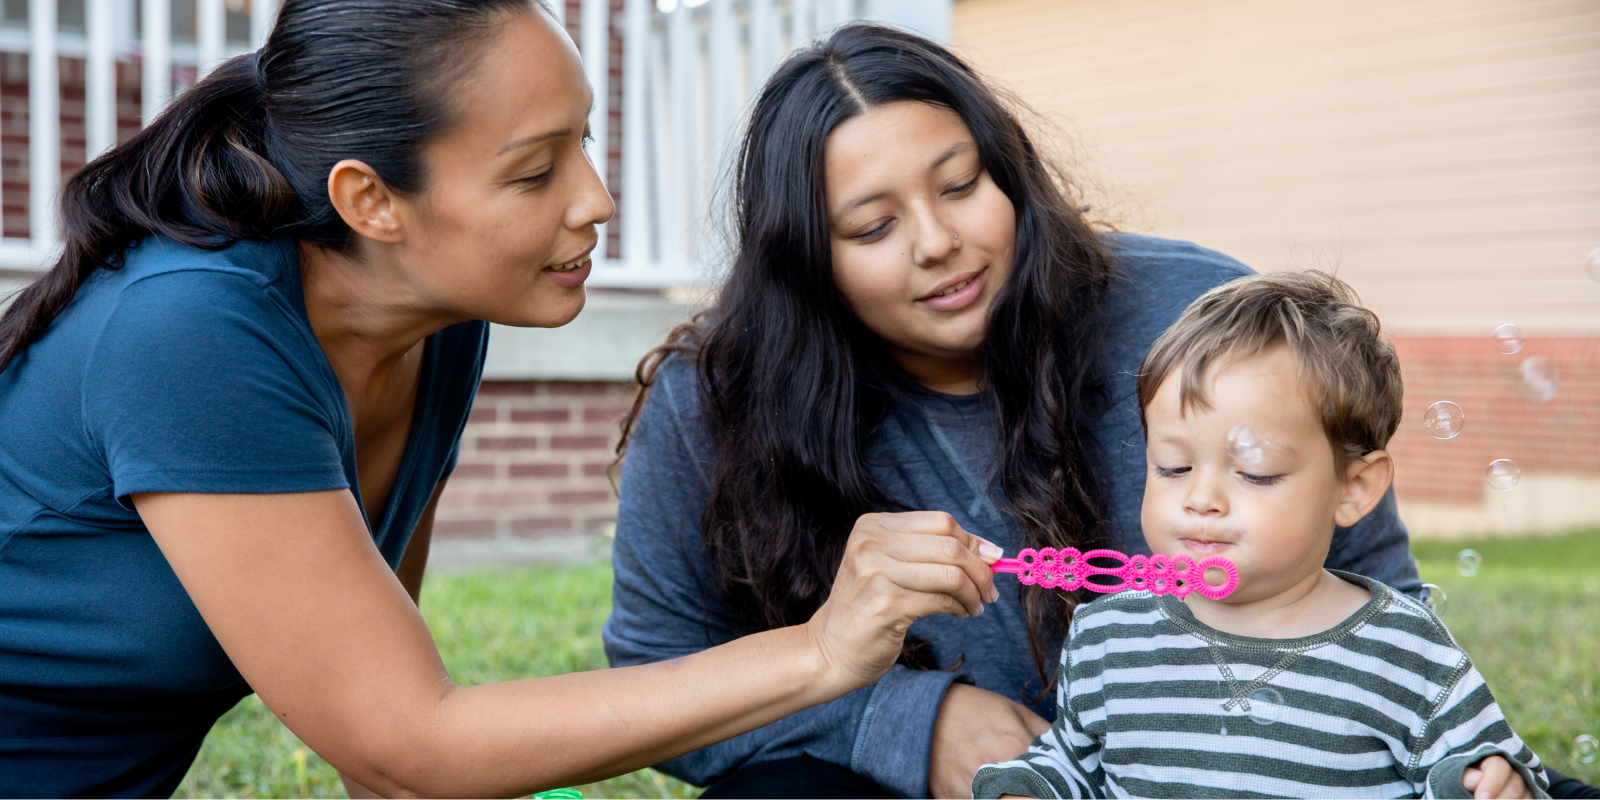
958, 149
534, 139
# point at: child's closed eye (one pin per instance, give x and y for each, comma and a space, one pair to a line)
1260, 480
1172, 472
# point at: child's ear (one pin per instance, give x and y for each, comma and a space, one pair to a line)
1365, 482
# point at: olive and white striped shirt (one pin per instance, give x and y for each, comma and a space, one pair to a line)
1156, 704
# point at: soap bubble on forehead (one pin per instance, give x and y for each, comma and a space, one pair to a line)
1246, 446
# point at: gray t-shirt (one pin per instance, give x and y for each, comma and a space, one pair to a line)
932, 453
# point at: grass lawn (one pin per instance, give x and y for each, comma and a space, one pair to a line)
1530, 618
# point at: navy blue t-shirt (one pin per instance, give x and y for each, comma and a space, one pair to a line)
184, 371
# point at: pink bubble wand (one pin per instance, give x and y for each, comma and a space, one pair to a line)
1069, 570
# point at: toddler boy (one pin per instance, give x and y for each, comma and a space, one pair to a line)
1267, 408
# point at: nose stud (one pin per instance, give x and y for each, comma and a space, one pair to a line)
955, 237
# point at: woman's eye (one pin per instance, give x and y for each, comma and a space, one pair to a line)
965, 187
537, 180
1260, 480
874, 234
1173, 472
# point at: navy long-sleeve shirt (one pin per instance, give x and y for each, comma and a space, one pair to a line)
932, 453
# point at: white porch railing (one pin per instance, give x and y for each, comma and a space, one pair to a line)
689, 67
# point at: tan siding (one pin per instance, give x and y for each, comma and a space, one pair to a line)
1444, 155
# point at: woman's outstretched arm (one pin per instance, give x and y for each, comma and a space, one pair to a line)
297, 595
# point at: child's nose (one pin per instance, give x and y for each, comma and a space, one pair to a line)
1206, 496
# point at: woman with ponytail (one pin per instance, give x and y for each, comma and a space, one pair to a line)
227, 412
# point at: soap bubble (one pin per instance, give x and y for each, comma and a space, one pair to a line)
1594, 264
1434, 598
1265, 705
1540, 379
1586, 749
1502, 474
1246, 446
1444, 420
1508, 339
1468, 562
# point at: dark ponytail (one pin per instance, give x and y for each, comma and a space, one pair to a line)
245, 154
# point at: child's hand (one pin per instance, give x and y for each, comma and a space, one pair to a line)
1493, 777
976, 727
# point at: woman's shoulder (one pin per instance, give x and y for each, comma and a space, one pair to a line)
1159, 267
260, 263
1155, 279
676, 388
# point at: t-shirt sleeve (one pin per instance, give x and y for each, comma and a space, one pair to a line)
202, 382
1466, 728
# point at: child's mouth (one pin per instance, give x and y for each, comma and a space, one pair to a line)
1206, 546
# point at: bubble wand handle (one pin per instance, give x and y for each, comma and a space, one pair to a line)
1069, 570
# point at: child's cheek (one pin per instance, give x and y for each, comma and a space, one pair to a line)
1155, 517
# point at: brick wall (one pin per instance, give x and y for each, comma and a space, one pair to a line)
1561, 436
534, 461
14, 126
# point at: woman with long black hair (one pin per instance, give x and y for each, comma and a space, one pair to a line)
227, 412
919, 318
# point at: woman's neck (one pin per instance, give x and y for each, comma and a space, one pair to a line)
366, 317
959, 376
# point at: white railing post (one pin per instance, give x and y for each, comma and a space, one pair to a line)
157, 57
263, 13
635, 200
596, 51
763, 37
724, 101
100, 78
681, 199
44, 127
211, 34
802, 23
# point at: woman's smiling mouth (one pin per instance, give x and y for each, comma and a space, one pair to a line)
956, 294
571, 273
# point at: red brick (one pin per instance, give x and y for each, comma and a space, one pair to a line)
578, 388
579, 497
540, 415
540, 470
481, 413
513, 498
597, 470
508, 442
579, 442
464, 527
604, 413
541, 524
468, 471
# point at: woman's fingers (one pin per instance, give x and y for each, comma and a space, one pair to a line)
933, 537
940, 579
898, 568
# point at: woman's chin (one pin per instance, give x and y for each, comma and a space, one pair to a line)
544, 310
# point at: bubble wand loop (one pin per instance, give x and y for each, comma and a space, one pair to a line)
1069, 570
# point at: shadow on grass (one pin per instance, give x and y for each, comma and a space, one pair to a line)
1530, 619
